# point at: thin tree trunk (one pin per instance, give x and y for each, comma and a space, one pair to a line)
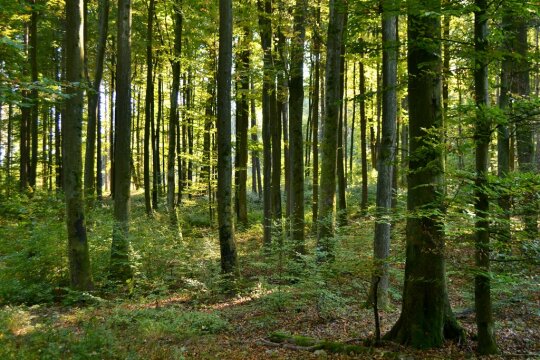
242, 124
256, 185
79, 259
351, 147
173, 117
229, 263
148, 108
315, 119
340, 166
265, 10
363, 139
381, 241
93, 100
482, 283
32, 173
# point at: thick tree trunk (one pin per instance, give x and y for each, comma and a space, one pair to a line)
296, 105
79, 259
330, 125
426, 318
120, 262
229, 262
381, 241
482, 283
93, 101
148, 108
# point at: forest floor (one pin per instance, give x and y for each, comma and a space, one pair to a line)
180, 307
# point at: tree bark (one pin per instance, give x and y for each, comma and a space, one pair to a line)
315, 118
242, 124
363, 138
296, 145
229, 263
32, 172
265, 10
426, 319
482, 283
340, 166
173, 117
148, 108
93, 101
338, 9
381, 241
120, 259
79, 259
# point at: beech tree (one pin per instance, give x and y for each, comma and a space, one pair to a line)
229, 262
79, 259
426, 318
120, 262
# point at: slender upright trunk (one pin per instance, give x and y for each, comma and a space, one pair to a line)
482, 283
79, 259
381, 241
32, 173
93, 101
351, 146
340, 166
363, 138
99, 161
296, 105
256, 186
242, 124
120, 262
315, 118
265, 10
229, 263
148, 108
330, 133
173, 117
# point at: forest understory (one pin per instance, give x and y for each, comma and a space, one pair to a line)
180, 307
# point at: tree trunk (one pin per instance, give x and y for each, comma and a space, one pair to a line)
256, 185
120, 262
315, 119
242, 124
426, 319
148, 108
330, 125
296, 105
79, 259
482, 283
363, 139
265, 10
381, 241
229, 264
32, 173
93, 101
173, 117
351, 146
340, 166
